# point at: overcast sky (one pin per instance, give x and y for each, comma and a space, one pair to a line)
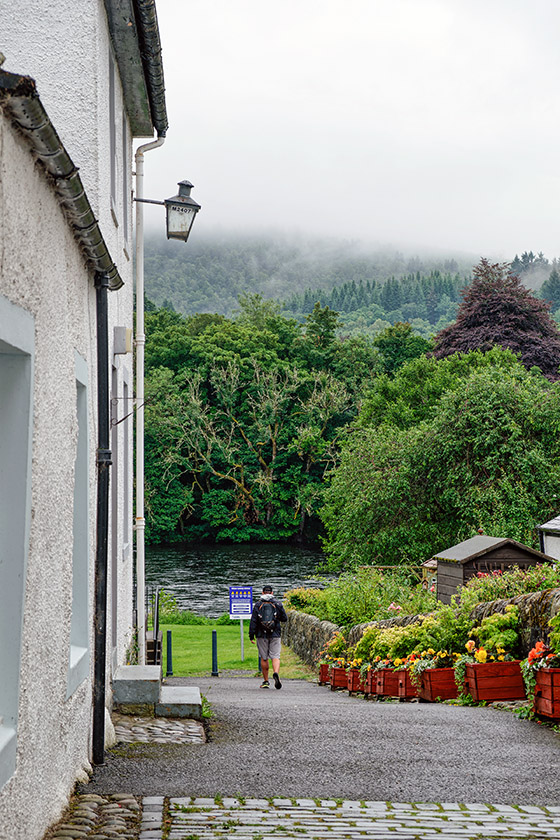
413, 123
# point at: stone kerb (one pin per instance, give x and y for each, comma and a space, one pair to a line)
306, 635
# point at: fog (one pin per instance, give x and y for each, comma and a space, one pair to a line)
415, 124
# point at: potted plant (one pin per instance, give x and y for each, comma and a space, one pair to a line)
541, 673
354, 679
332, 651
406, 688
433, 674
490, 671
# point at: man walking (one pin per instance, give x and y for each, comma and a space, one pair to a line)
265, 627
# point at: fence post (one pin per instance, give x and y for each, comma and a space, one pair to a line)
169, 669
215, 653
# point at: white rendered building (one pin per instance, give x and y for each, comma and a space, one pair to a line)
79, 81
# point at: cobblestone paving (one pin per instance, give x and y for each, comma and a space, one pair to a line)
256, 818
110, 818
158, 730
99, 818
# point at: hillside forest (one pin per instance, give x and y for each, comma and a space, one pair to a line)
385, 442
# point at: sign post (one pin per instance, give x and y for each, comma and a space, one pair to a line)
240, 607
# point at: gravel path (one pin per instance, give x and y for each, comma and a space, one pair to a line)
306, 741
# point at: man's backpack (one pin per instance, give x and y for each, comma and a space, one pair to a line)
266, 616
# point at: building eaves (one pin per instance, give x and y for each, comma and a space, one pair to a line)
134, 32
20, 102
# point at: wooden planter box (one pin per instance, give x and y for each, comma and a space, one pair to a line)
547, 693
354, 680
405, 687
370, 684
338, 678
495, 681
387, 682
324, 673
438, 684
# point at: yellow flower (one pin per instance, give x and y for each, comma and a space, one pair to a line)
501, 658
397, 662
431, 651
480, 655
470, 646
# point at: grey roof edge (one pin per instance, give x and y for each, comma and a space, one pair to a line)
150, 50
488, 548
21, 103
550, 527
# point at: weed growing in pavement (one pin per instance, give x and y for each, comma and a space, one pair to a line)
219, 799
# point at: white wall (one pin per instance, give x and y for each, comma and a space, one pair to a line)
65, 47
43, 274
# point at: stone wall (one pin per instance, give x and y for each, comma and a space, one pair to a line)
307, 635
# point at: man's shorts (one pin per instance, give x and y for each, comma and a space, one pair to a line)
269, 648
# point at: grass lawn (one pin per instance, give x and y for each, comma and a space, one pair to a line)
192, 651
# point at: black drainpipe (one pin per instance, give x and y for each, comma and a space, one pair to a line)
103, 464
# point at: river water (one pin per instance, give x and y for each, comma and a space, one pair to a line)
199, 576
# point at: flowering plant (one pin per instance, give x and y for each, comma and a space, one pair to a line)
542, 656
428, 659
334, 650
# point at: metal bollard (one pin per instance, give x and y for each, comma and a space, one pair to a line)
215, 653
169, 669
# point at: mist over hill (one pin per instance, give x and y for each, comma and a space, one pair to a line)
371, 288
209, 273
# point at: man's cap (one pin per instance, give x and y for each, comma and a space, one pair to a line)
267, 588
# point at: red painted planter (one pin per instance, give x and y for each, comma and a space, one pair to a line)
547, 693
386, 683
324, 673
339, 678
405, 687
370, 683
438, 684
354, 680
495, 681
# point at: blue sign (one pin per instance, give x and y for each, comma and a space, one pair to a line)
240, 601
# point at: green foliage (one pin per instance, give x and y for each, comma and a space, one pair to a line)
399, 345
367, 594
554, 636
242, 421
499, 630
509, 583
485, 454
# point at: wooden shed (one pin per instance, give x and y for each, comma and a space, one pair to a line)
461, 562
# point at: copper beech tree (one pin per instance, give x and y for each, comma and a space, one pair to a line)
497, 310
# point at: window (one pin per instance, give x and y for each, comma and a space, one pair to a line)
16, 419
78, 664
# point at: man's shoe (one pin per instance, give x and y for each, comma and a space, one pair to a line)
265, 684
277, 683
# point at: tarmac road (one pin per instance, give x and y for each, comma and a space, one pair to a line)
307, 741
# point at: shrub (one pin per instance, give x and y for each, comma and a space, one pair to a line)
515, 581
367, 594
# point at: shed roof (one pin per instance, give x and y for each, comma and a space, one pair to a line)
552, 526
478, 546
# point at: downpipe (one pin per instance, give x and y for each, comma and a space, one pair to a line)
101, 558
140, 522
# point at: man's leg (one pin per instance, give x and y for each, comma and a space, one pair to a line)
275, 656
262, 646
